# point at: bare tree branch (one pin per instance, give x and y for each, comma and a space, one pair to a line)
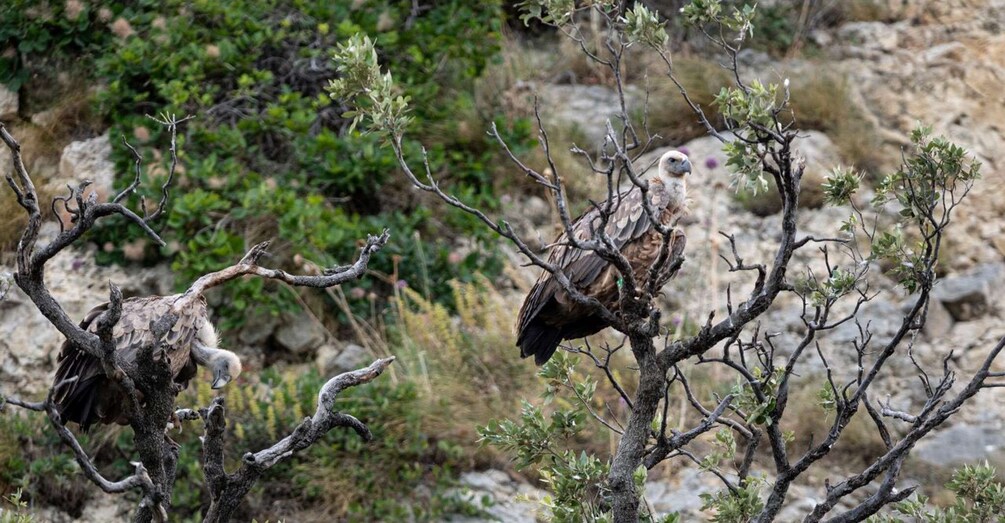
227, 490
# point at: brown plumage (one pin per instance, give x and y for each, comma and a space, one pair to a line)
93, 397
549, 315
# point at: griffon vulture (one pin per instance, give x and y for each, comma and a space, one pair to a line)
549, 315
93, 397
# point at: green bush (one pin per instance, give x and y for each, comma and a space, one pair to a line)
406, 472
980, 498
35, 465
269, 154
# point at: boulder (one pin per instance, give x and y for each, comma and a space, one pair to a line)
870, 36
586, 108
681, 493
971, 294
332, 360
299, 334
502, 498
960, 444
88, 160
254, 333
939, 320
537, 210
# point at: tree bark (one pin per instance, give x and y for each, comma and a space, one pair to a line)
631, 448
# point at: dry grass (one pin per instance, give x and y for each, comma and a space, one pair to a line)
858, 445
40, 153
822, 102
669, 114
766, 203
469, 371
465, 365
865, 11
42, 141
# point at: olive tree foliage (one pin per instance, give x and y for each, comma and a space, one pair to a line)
149, 390
757, 130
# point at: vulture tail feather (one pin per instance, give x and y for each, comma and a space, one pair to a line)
540, 341
79, 405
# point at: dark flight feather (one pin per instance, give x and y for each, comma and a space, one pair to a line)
93, 397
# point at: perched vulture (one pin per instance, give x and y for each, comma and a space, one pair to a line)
93, 397
549, 315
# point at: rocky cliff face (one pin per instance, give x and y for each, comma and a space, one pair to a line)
943, 65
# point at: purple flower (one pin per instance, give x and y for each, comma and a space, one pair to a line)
77, 264
684, 150
400, 284
711, 163
676, 320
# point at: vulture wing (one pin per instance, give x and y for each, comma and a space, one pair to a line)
93, 397
539, 336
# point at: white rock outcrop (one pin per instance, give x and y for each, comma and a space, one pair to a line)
9, 104
88, 160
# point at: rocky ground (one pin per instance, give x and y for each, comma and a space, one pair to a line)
943, 64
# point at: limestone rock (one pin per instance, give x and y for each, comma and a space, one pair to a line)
46, 118
938, 322
254, 333
29, 344
509, 500
332, 360
537, 210
299, 334
586, 108
871, 36
9, 104
681, 493
960, 444
884, 319
89, 160
969, 295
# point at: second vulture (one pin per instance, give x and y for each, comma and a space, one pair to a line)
192, 342
549, 315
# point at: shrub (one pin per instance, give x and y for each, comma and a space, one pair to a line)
980, 497
453, 374
269, 154
15, 512
42, 471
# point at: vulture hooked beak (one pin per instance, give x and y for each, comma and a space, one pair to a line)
220, 378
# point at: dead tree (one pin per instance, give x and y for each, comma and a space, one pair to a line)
757, 130
151, 378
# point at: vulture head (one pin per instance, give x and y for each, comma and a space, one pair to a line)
674, 164
224, 365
